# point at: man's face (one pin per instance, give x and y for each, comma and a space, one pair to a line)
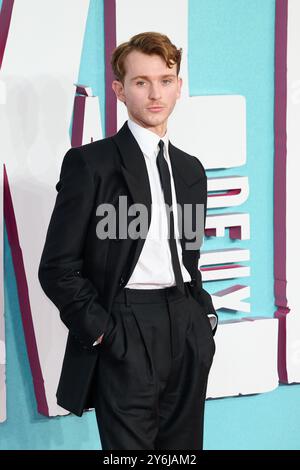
148, 83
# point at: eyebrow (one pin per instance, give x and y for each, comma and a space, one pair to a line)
145, 76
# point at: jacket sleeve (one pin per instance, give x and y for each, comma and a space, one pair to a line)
205, 300
203, 297
61, 261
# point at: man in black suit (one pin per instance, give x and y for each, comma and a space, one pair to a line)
141, 327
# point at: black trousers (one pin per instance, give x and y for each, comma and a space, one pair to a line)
152, 371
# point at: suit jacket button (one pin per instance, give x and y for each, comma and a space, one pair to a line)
122, 281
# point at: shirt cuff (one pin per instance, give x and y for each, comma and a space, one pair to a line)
213, 320
97, 340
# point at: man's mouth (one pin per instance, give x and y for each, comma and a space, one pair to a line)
155, 109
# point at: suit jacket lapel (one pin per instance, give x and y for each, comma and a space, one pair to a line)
188, 192
134, 170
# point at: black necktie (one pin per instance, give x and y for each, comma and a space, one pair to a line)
166, 186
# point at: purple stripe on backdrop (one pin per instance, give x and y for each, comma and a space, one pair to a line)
280, 149
81, 90
78, 121
110, 44
5, 17
17, 257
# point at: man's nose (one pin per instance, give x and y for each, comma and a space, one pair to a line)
154, 92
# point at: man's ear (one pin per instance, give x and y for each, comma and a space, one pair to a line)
118, 88
179, 85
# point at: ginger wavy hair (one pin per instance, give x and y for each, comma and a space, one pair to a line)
149, 42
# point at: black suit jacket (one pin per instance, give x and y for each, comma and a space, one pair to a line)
81, 273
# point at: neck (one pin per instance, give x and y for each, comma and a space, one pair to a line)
160, 130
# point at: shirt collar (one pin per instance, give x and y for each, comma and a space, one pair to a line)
148, 140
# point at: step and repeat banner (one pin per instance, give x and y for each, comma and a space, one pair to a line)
44, 111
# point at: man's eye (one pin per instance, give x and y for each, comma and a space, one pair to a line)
165, 81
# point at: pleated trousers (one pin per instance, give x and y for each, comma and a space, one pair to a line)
152, 370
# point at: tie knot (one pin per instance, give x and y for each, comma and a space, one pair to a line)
161, 144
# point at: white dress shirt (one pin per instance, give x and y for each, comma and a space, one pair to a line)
154, 269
